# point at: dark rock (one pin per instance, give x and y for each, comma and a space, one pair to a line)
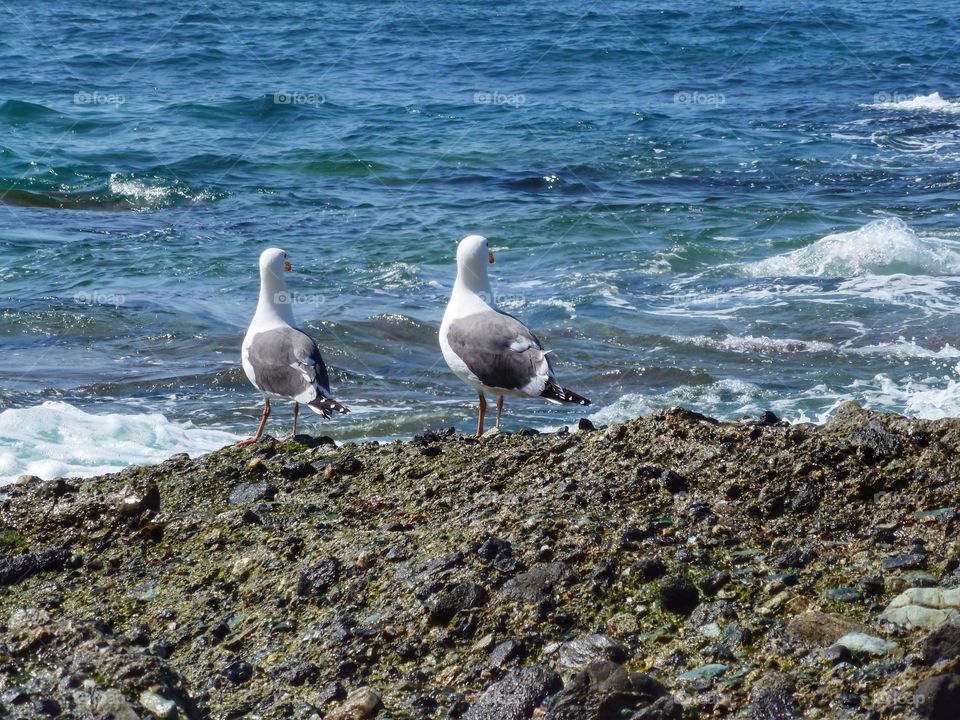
247, 492
300, 674
429, 437
20, 567
872, 586
582, 651
506, 651
540, 582
396, 554
772, 699
47, 707
516, 695
876, 441
494, 547
465, 596
679, 595
649, 569
585, 425
346, 465
431, 450
833, 654
604, 572
712, 612
238, 672
715, 582
938, 697
942, 644
795, 558
606, 690
906, 561
769, 419
527, 432
297, 470
673, 482
318, 579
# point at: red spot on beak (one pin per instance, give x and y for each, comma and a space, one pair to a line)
288, 266
490, 257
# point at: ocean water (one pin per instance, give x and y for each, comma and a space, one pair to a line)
731, 206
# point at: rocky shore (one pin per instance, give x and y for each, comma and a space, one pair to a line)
669, 567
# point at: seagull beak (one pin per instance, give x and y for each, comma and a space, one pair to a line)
288, 266
490, 257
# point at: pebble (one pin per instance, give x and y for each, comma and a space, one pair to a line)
679, 595
461, 597
157, 704
926, 608
863, 644
844, 594
246, 493
539, 583
582, 651
361, 703
704, 672
516, 695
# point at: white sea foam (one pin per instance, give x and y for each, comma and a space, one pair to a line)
56, 439
932, 102
883, 246
137, 190
751, 344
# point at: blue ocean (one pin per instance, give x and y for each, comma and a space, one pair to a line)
736, 207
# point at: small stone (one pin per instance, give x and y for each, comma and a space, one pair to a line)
704, 672
715, 582
863, 644
834, 654
361, 703
540, 582
319, 578
919, 578
246, 493
938, 697
584, 650
943, 644
297, 470
906, 561
679, 595
772, 699
844, 594
238, 672
649, 569
462, 597
817, 629
157, 704
926, 608
20, 567
505, 652
585, 425
516, 695
623, 625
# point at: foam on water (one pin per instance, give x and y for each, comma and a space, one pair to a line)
880, 247
932, 102
751, 344
56, 439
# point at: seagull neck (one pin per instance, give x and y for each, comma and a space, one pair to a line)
471, 288
275, 302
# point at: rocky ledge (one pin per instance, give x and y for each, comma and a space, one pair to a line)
670, 567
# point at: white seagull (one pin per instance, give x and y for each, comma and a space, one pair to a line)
488, 349
281, 360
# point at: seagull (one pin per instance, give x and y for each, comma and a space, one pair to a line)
488, 349
282, 361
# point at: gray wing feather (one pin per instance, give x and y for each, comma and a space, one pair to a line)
499, 349
287, 362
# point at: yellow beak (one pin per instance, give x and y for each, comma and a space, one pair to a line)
288, 266
490, 257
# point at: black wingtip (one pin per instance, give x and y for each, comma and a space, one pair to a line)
328, 406
562, 394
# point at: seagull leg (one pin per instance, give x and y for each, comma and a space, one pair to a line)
499, 410
483, 411
263, 422
296, 411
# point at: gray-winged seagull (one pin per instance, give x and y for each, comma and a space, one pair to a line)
488, 349
281, 360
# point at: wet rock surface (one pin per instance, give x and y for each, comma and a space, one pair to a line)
670, 567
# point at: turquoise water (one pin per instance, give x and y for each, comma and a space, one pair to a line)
734, 207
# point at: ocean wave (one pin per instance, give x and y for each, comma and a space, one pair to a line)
121, 191
932, 102
55, 439
751, 344
724, 398
881, 247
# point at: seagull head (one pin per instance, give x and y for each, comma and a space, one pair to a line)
473, 256
273, 261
